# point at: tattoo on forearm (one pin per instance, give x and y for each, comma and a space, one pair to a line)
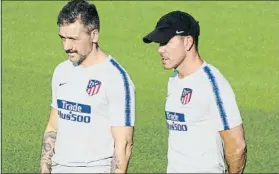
47, 151
120, 160
115, 164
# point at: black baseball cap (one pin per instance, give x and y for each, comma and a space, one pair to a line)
172, 24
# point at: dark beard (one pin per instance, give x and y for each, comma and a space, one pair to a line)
82, 58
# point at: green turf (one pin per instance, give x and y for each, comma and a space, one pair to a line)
240, 38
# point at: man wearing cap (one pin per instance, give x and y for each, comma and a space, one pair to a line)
205, 126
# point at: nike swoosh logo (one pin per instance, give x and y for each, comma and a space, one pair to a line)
62, 84
179, 32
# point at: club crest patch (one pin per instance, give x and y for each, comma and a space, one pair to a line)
93, 87
186, 96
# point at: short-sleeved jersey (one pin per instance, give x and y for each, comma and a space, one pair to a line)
197, 108
89, 101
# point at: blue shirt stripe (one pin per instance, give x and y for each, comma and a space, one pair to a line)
127, 92
218, 98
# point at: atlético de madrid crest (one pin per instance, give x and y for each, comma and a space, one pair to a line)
93, 87
186, 96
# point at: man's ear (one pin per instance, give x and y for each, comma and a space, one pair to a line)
188, 42
94, 36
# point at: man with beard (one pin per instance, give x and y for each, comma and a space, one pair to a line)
90, 129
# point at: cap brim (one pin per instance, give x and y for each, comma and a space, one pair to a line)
159, 36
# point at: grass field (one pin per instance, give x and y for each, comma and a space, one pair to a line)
240, 38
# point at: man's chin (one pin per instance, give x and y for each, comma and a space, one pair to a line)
168, 67
74, 61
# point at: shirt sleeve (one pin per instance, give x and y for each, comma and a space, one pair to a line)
121, 98
54, 85
224, 106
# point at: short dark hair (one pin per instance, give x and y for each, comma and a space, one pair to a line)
196, 36
196, 42
82, 10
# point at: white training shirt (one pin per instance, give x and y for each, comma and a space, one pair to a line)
197, 108
89, 101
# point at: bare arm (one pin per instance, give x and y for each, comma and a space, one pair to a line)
235, 149
49, 140
123, 138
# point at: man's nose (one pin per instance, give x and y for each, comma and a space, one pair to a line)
68, 45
